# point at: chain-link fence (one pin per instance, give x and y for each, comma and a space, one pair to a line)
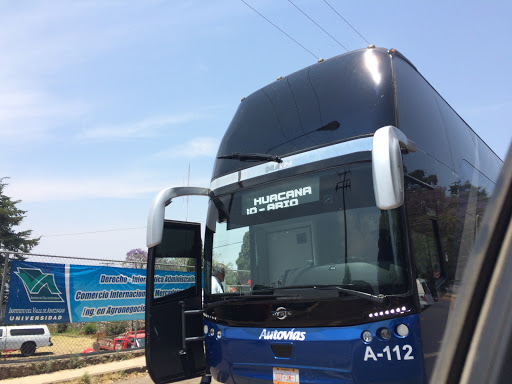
26, 331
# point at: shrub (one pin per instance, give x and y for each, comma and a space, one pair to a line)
115, 328
90, 329
62, 327
48, 366
85, 379
74, 362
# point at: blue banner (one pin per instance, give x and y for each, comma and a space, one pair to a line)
37, 294
68, 293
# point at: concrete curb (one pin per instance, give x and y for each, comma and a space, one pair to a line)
137, 364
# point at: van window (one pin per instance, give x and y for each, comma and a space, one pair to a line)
1, 332
27, 331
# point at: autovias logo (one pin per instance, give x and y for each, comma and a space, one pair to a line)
40, 286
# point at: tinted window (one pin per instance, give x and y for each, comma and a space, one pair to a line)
418, 114
426, 255
474, 191
175, 258
309, 111
27, 331
1, 332
422, 207
487, 161
466, 145
358, 94
461, 137
340, 98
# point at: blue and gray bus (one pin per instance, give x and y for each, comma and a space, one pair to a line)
344, 201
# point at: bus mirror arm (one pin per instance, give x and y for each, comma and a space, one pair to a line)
387, 167
157, 210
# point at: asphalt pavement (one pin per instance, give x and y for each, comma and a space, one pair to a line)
147, 380
137, 364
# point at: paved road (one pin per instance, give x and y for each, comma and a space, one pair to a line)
147, 380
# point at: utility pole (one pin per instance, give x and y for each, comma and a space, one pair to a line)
188, 185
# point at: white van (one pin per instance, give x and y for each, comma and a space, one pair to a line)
25, 338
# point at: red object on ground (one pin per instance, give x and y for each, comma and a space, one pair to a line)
128, 340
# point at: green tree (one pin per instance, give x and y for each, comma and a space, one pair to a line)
244, 257
11, 216
10, 239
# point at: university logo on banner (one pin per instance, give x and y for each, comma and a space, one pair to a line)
37, 294
40, 286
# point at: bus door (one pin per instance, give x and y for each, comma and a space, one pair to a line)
174, 317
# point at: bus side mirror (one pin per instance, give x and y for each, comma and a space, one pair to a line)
387, 168
156, 215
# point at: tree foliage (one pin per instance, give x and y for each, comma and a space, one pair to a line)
10, 239
244, 257
136, 258
10, 217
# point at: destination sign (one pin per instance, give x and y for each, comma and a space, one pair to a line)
282, 196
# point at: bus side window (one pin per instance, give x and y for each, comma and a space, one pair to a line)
473, 190
424, 235
175, 259
427, 256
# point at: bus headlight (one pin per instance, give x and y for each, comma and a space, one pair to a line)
212, 332
219, 334
205, 329
385, 334
402, 330
367, 336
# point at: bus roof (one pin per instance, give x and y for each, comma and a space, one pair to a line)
346, 96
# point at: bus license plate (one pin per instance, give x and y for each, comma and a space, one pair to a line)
286, 375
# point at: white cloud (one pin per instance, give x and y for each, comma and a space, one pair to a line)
116, 186
33, 52
486, 109
198, 147
149, 127
46, 190
30, 114
42, 39
40, 45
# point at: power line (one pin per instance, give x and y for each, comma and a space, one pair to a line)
367, 42
88, 233
291, 38
67, 257
332, 37
228, 244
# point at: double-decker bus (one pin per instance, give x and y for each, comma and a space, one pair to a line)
343, 203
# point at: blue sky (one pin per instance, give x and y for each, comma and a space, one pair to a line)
103, 104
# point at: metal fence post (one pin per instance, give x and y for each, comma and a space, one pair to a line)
2, 288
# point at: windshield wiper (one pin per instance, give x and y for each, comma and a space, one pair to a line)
258, 288
368, 296
263, 294
251, 157
230, 298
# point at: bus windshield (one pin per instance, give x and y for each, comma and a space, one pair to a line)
312, 230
